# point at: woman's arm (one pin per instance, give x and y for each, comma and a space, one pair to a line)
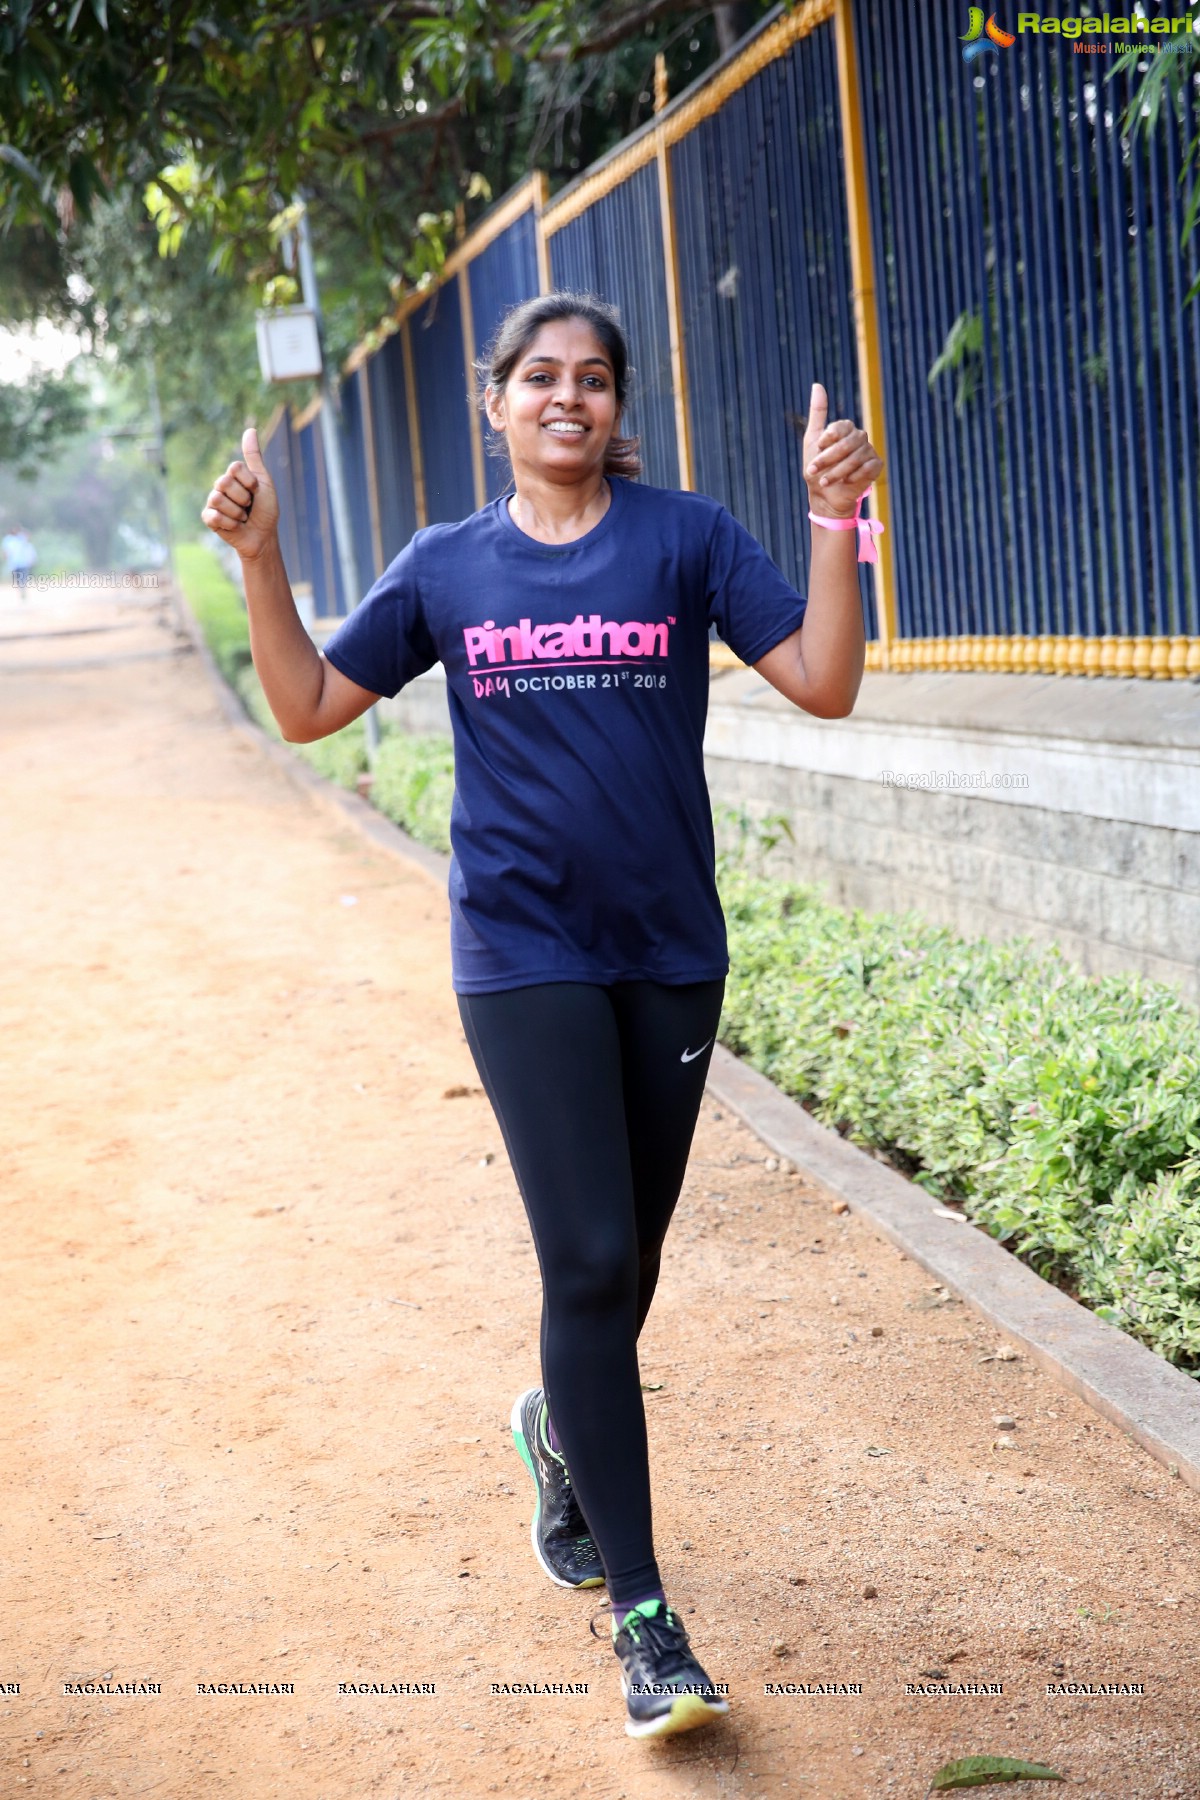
308, 696
820, 667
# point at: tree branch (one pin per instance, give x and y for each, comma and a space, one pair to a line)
312, 19
616, 33
415, 122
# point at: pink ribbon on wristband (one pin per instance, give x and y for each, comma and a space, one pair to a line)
868, 529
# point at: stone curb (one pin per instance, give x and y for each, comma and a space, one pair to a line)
1156, 1403
1138, 1390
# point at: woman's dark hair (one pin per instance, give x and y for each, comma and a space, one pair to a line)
513, 336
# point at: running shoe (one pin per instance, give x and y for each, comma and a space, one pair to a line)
559, 1532
664, 1686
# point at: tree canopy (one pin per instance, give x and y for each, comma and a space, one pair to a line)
380, 112
149, 150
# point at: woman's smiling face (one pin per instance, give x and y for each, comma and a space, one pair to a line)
559, 406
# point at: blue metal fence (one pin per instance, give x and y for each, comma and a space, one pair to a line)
354, 466
442, 399
760, 227
281, 455
393, 448
1048, 484
502, 275
615, 249
1043, 488
323, 567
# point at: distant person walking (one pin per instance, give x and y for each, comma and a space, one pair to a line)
588, 945
19, 555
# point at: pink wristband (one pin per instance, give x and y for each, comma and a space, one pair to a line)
867, 529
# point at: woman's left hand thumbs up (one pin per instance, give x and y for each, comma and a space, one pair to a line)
840, 462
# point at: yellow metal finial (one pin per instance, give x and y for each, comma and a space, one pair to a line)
660, 82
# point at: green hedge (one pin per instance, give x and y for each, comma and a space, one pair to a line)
217, 606
341, 757
1059, 1111
414, 785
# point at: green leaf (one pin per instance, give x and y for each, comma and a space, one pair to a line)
981, 1771
100, 8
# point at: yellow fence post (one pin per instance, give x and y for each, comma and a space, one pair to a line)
475, 422
683, 434
541, 196
866, 321
368, 431
414, 427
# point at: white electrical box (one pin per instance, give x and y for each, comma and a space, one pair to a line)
288, 346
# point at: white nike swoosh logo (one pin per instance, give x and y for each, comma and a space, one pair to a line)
691, 1055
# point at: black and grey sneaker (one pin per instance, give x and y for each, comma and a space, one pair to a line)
561, 1540
664, 1686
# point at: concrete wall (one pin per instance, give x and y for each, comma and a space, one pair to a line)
1080, 826
1087, 833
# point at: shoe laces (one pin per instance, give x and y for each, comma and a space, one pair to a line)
662, 1633
605, 1609
665, 1642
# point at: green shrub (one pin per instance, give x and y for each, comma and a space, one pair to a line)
414, 785
1060, 1111
341, 757
217, 606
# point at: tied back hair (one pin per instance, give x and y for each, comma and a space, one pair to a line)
513, 336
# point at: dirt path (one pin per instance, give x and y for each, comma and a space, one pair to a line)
269, 1294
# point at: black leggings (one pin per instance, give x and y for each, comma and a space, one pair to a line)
597, 1091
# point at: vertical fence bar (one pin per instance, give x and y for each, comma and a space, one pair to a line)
541, 197
332, 595
478, 472
1152, 600
1097, 372
1066, 604
666, 207
973, 232
940, 305
867, 325
1191, 114
1171, 618
1184, 486
1032, 373
368, 432
913, 438
1074, 198
1124, 420
1018, 515
414, 428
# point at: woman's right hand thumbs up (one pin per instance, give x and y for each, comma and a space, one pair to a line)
242, 506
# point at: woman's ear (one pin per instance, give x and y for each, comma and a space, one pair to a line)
494, 407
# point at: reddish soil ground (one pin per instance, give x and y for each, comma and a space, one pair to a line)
234, 1115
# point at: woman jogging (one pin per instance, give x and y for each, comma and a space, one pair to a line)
588, 944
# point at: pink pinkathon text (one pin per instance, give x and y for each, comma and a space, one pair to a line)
526, 642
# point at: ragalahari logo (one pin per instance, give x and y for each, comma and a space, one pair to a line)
981, 37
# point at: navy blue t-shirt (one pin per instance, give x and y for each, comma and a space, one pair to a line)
577, 678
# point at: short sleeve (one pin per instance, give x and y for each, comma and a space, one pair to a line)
386, 641
750, 600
